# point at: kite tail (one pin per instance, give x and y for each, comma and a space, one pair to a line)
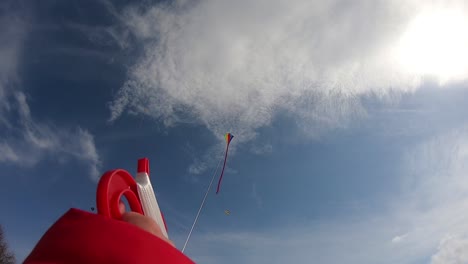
222, 171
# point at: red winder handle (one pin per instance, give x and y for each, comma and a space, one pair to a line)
112, 185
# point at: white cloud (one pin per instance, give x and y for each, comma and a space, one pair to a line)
257, 198
34, 141
452, 250
12, 29
434, 200
26, 141
261, 149
399, 239
209, 159
204, 161
437, 169
197, 167
233, 65
8, 154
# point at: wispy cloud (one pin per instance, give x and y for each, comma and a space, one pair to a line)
351, 242
8, 154
452, 250
204, 161
209, 158
427, 218
13, 34
26, 141
261, 149
30, 142
233, 66
258, 200
197, 167
399, 238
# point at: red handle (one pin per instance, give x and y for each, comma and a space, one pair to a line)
112, 185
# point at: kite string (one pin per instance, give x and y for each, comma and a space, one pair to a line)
201, 206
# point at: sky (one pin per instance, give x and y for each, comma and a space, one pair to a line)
350, 122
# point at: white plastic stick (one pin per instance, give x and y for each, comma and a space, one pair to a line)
147, 196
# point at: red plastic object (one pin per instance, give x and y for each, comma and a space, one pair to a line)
112, 186
143, 165
82, 237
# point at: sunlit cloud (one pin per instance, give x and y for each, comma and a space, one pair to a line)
233, 66
435, 44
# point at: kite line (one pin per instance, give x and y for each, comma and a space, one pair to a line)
228, 138
201, 206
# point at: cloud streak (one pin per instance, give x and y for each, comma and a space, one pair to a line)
26, 141
233, 66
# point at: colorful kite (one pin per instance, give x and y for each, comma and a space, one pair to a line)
228, 137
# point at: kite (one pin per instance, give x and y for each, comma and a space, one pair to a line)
228, 138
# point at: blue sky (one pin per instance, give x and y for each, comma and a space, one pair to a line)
350, 122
